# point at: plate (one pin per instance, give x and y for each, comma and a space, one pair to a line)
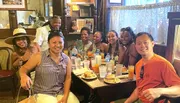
79, 71
93, 76
116, 80
122, 76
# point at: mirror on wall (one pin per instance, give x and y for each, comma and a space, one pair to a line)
4, 19
29, 19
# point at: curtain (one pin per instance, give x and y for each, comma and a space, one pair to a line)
176, 52
150, 18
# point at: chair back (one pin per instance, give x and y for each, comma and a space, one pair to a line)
5, 58
176, 65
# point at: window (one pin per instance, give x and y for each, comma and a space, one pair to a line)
151, 18
142, 2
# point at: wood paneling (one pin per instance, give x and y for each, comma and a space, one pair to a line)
174, 19
4, 33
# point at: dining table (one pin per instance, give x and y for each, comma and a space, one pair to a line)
96, 90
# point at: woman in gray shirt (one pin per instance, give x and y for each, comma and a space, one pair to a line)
53, 73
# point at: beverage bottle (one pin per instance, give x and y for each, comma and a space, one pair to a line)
73, 57
107, 58
74, 51
98, 57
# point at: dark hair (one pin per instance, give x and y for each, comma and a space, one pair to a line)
114, 32
130, 31
102, 36
145, 33
55, 33
55, 17
122, 29
99, 32
17, 48
87, 29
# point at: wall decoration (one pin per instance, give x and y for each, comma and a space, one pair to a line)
13, 4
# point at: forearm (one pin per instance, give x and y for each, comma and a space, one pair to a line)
173, 91
133, 97
23, 72
67, 85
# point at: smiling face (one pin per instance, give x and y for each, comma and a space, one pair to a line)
112, 37
56, 44
56, 23
84, 35
125, 37
21, 42
144, 45
97, 37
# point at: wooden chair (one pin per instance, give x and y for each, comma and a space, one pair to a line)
7, 74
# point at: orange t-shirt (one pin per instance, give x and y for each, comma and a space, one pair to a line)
158, 72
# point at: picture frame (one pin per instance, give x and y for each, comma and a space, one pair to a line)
13, 4
115, 1
88, 22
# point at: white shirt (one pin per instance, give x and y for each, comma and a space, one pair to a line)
42, 37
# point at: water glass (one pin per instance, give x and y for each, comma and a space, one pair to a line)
86, 64
109, 67
119, 68
78, 63
102, 71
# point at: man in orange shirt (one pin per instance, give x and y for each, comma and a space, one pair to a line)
155, 76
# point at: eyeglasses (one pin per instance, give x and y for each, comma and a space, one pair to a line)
142, 72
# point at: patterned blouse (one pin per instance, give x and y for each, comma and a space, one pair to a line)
50, 76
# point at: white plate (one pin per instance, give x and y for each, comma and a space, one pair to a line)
122, 76
89, 78
117, 80
79, 71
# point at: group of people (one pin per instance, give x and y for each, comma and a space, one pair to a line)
155, 76
122, 48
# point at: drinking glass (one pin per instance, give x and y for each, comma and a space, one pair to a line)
130, 71
102, 71
119, 68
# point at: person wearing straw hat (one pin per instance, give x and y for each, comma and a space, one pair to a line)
23, 49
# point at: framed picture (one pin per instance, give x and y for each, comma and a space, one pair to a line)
88, 22
114, 1
13, 4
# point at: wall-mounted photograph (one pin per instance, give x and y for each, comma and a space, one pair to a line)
13, 4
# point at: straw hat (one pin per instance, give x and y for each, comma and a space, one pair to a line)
18, 32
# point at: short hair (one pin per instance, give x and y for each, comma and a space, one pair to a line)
144, 33
55, 17
55, 33
87, 29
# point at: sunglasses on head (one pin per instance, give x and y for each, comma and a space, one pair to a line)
142, 72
